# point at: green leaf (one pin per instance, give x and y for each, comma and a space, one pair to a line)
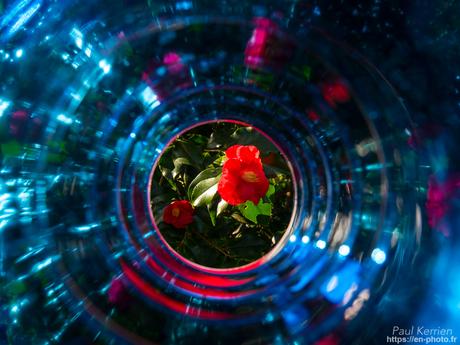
220, 160
239, 218
167, 174
212, 213
189, 151
179, 162
204, 187
271, 190
250, 136
251, 211
205, 174
221, 207
204, 192
220, 135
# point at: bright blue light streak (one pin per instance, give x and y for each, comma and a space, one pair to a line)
19, 53
3, 106
321, 244
106, 67
379, 256
344, 250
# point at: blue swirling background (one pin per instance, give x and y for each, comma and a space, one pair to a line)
362, 97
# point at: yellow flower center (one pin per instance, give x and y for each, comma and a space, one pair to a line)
175, 212
250, 176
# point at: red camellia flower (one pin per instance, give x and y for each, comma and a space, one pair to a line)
179, 214
243, 177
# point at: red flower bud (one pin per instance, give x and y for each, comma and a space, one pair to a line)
243, 177
179, 214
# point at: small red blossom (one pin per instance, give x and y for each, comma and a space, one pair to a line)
173, 62
179, 214
162, 85
335, 92
266, 46
243, 177
313, 115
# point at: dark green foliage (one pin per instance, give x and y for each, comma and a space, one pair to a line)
221, 235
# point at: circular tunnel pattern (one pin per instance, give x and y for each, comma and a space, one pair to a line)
87, 108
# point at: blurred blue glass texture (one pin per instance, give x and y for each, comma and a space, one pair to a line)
361, 96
